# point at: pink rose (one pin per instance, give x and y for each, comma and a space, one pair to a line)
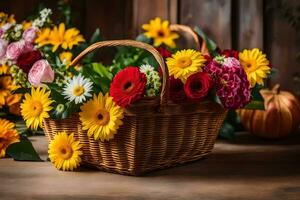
3, 46
15, 49
41, 72
29, 35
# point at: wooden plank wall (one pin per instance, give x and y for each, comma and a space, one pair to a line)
235, 24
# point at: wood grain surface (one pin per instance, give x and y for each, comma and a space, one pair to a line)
248, 168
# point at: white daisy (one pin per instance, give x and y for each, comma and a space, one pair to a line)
146, 69
77, 89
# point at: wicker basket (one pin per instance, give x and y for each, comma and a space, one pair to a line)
156, 134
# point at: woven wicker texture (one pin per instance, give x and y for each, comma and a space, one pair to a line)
156, 133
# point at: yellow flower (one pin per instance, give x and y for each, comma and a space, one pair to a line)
5, 18
256, 65
6, 86
59, 36
101, 117
8, 135
35, 107
4, 69
26, 24
43, 37
184, 63
66, 57
64, 151
159, 30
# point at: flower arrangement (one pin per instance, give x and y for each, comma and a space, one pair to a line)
39, 57
35, 58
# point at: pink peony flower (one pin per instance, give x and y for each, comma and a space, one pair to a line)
3, 47
15, 49
231, 62
29, 35
41, 72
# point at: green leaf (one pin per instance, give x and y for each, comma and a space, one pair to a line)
143, 38
255, 105
227, 131
96, 37
21, 90
23, 151
102, 70
211, 45
56, 93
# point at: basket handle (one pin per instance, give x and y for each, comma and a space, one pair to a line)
201, 46
113, 43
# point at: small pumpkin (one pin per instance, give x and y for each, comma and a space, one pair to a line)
280, 117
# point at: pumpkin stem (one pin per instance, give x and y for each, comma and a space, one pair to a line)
276, 89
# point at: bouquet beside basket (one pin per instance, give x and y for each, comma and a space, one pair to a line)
154, 107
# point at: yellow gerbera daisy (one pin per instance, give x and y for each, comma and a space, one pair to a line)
6, 86
35, 107
159, 30
8, 135
184, 63
64, 151
66, 38
256, 65
4, 69
43, 37
101, 117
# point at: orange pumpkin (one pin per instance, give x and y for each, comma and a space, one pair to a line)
280, 117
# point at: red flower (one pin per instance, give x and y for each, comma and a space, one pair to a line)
177, 94
128, 86
165, 53
197, 86
230, 53
208, 59
26, 60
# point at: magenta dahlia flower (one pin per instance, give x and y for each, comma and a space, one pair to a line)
232, 85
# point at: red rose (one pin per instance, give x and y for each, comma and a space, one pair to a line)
197, 86
26, 60
164, 52
177, 94
128, 86
230, 53
208, 58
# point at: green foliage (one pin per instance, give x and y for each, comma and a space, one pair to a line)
257, 102
211, 45
23, 151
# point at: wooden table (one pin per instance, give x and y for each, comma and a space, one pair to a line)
248, 168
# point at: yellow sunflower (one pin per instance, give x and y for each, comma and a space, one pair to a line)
64, 151
101, 117
160, 32
256, 65
8, 135
35, 107
4, 69
184, 63
66, 38
43, 37
6, 86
